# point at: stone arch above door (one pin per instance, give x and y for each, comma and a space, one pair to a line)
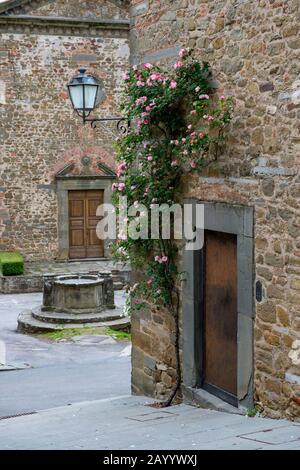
88, 174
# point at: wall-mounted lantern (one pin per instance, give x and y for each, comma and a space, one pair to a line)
84, 93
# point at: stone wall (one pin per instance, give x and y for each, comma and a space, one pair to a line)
39, 131
255, 55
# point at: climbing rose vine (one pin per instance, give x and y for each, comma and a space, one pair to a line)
177, 126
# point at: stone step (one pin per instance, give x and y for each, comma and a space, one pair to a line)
63, 317
28, 324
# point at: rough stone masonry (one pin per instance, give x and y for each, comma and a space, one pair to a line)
255, 56
43, 43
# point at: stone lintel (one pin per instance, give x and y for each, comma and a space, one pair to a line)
274, 171
161, 54
84, 177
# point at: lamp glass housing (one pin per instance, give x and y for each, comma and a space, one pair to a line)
83, 91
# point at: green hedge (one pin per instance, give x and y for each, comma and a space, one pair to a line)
11, 263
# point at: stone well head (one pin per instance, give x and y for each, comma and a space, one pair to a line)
78, 293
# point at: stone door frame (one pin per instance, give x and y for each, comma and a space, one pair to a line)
69, 183
237, 220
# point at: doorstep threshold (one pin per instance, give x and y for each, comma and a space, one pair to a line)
203, 399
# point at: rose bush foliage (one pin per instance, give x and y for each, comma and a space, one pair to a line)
177, 125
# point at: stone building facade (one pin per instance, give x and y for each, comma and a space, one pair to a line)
251, 193
45, 149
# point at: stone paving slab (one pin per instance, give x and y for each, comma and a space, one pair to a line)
127, 423
57, 373
280, 435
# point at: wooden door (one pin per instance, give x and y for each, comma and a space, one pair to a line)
84, 242
220, 315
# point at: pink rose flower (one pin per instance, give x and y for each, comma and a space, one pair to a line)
222, 98
183, 52
121, 186
164, 259
149, 158
156, 76
174, 163
193, 164
178, 65
173, 84
193, 112
141, 100
148, 65
121, 167
203, 97
197, 89
125, 76
157, 259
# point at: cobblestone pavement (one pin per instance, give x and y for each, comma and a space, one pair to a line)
126, 423
51, 373
79, 392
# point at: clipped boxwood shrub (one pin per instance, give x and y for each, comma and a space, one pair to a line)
11, 263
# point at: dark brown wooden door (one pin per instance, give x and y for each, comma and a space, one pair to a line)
84, 242
220, 315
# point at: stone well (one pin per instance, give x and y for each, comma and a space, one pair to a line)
75, 301
74, 294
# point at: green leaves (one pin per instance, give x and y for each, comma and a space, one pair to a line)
176, 122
